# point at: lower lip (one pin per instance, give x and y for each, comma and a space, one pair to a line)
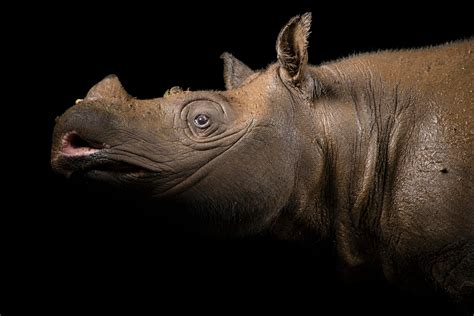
98, 173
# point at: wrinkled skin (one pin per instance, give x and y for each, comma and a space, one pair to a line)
374, 152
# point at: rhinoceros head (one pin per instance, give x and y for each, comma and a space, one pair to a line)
232, 155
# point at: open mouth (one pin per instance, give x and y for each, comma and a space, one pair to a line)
77, 155
75, 145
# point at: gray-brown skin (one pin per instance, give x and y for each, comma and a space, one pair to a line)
374, 152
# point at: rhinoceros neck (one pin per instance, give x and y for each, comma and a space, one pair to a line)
361, 122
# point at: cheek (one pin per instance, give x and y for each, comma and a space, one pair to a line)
248, 182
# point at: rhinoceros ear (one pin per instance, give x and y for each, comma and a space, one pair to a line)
292, 47
235, 71
109, 88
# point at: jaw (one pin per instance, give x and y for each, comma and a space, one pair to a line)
78, 157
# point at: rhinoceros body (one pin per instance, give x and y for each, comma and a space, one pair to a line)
374, 152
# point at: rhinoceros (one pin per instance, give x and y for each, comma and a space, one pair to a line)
374, 152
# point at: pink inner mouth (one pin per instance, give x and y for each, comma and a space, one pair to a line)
74, 145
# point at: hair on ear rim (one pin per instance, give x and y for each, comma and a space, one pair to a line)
292, 45
235, 71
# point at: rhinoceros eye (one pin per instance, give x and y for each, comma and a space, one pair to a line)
202, 121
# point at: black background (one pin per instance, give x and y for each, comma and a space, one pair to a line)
70, 247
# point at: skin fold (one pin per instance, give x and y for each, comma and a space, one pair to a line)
373, 152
